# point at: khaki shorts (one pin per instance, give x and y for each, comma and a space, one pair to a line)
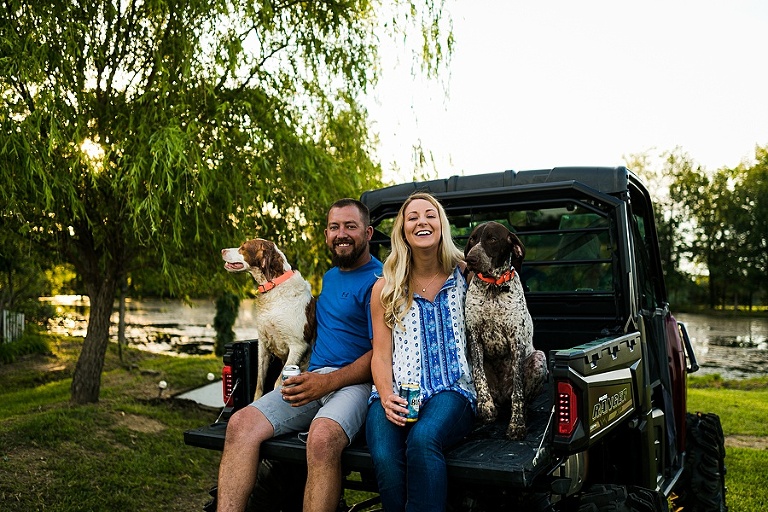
346, 406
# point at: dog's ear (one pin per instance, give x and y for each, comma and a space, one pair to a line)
267, 252
518, 251
273, 261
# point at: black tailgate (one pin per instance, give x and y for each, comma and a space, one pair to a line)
485, 457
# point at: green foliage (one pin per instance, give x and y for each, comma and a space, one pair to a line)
183, 129
63, 280
36, 313
715, 220
669, 217
149, 135
227, 306
23, 278
30, 343
725, 211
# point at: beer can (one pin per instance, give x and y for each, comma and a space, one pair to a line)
290, 370
412, 393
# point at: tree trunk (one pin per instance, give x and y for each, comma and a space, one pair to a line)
712, 271
86, 381
121, 318
6, 300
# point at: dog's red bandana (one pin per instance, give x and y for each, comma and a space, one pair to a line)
503, 278
264, 288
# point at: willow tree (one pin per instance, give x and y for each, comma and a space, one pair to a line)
661, 172
756, 201
156, 132
747, 218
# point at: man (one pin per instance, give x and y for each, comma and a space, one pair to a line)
331, 398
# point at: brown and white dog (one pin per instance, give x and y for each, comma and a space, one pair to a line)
284, 306
506, 368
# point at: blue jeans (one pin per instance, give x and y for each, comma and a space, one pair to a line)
409, 461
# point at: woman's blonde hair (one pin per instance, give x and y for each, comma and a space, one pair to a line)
396, 296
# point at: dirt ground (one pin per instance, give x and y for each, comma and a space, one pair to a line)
753, 442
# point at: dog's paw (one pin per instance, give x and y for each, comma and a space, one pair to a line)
516, 432
486, 411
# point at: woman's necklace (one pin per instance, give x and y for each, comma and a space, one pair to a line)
424, 289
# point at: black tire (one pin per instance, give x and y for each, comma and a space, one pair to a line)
701, 487
619, 498
210, 506
496, 500
279, 487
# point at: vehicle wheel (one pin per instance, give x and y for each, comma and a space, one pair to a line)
279, 487
210, 506
702, 485
620, 498
496, 500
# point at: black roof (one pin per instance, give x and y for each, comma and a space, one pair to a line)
611, 181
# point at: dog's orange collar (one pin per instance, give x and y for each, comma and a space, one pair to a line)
264, 288
506, 276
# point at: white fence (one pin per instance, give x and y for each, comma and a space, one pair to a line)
11, 326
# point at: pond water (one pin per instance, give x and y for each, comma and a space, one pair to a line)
733, 347
156, 325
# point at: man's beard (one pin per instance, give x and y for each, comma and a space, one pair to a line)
347, 260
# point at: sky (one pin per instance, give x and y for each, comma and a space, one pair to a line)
545, 83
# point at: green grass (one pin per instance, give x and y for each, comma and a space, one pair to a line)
124, 453
127, 451
743, 410
745, 479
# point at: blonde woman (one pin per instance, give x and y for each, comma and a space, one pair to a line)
417, 311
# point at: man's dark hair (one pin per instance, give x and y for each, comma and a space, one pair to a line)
348, 201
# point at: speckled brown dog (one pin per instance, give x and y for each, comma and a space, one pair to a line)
505, 366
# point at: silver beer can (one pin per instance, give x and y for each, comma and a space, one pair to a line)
290, 370
412, 393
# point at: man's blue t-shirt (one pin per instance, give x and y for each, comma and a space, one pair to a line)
344, 329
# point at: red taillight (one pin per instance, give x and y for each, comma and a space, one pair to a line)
226, 384
567, 415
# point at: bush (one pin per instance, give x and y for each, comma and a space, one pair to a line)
31, 342
227, 307
36, 312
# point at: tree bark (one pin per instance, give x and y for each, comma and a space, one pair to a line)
86, 381
121, 318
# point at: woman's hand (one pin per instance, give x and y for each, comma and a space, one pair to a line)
395, 407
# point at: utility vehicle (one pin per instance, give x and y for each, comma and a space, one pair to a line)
611, 430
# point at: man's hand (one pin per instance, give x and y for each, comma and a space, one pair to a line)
307, 387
